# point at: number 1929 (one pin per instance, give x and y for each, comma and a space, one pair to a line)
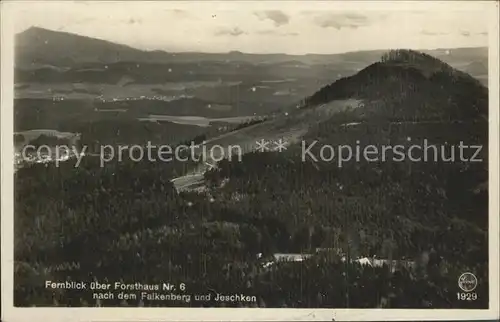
466, 296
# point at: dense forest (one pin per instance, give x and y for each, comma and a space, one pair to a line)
127, 222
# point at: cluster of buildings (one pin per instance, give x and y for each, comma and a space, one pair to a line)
165, 98
374, 261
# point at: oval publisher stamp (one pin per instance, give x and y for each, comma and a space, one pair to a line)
467, 282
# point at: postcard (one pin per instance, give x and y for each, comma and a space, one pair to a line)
249, 160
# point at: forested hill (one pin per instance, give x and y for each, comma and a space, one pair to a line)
408, 98
409, 85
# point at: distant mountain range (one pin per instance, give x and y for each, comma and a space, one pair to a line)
36, 47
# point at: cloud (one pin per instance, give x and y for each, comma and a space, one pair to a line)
235, 32
133, 21
357, 18
339, 21
178, 13
433, 33
278, 17
266, 32
269, 32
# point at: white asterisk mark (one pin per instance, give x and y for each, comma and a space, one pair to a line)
262, 145
280, 145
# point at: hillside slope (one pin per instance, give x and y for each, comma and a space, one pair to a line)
40, 46
408, 98
407, 85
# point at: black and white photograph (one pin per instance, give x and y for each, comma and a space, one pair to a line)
257, 154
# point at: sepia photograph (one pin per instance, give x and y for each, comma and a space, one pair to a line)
275, 156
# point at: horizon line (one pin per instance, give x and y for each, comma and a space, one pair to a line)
240, 52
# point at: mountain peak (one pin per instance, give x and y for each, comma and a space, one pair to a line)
395, 85
44, 46
425, 63
36, 29
406, 55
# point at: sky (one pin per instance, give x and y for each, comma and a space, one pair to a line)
264, 26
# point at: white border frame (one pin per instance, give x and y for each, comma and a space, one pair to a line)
10, 313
